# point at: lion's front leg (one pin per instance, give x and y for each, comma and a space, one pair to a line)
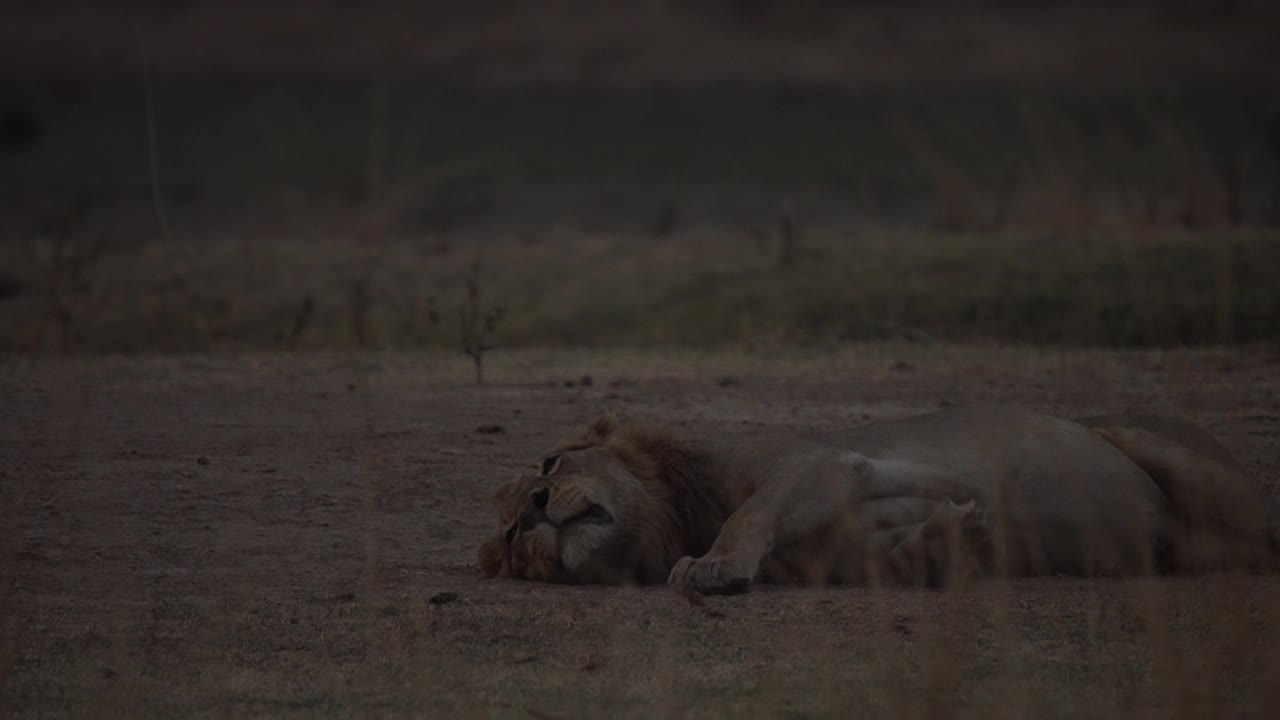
802, 498
734, 558
709, 575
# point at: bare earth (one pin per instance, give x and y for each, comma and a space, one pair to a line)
296, 535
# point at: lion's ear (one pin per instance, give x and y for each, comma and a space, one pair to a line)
601, 428
505, 491
491, 556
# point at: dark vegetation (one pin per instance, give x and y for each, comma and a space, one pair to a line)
256, 176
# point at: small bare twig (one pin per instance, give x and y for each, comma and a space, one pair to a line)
477, 323
153, 162
788, 236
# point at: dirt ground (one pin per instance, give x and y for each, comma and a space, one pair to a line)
296, 535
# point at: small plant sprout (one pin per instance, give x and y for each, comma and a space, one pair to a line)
477, 323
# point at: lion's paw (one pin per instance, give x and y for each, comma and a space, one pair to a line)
709, 576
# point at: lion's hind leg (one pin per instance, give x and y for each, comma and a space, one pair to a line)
1226, 521
948, 549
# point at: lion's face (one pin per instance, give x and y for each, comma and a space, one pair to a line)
579, 516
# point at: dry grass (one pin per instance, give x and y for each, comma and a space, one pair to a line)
336, 213
945, 173
697, 287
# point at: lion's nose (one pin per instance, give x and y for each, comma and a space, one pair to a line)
536, 511
540, 497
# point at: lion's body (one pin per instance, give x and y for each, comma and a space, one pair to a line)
986, 490
1067, 500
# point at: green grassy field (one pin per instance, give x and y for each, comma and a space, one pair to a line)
296, 215
178, 198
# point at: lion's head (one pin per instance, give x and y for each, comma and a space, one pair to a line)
615, 505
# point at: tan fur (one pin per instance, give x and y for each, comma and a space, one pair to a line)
1222, 518
679, 510
934, 499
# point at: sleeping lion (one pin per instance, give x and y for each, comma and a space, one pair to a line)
933, 499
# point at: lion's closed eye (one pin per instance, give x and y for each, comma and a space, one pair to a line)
550, 465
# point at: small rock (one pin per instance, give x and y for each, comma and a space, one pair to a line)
490, 429
727, 381
586, 381
351, 387
902, 366
345, 597
202, 460
442, 598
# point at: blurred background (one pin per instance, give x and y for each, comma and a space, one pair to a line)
200, 175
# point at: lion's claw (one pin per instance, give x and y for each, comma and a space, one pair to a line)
695, 577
